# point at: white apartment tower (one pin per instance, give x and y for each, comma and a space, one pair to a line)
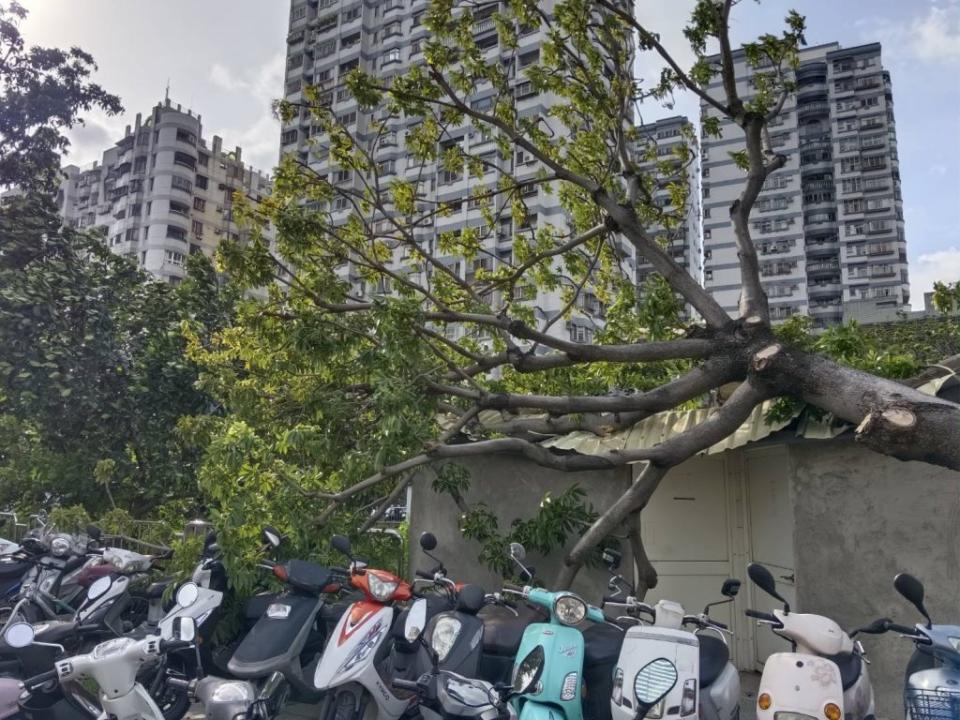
683, 242
161, 192
328, 38
828, 226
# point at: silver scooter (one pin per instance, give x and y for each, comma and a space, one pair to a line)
932, 690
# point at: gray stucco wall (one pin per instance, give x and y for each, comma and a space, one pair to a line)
512, 488
861, 518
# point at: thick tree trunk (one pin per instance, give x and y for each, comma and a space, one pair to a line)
891, 418
646, 574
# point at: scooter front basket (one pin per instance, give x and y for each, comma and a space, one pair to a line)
933, 704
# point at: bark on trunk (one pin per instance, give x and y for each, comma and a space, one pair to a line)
891, 418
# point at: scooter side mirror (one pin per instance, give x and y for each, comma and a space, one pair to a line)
184, 628
341, 544
611, 558
428, 541
19, 635
654, 681
763, 579
271, 536
188, 594
912, 589
94, 532
731, 587
416, 621
518, 552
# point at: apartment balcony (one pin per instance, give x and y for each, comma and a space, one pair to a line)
822, 246
484, 25
823, 268
813, 109
826, 289
820, 225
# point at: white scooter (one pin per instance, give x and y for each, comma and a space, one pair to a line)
347, 671
824, 677
113, 665
708, 685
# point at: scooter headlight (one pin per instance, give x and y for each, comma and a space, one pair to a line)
618, 686
688, 701
60, 546
570, 610
381, 590
527, 674
445, 634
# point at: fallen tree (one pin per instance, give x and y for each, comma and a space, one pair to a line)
380, 320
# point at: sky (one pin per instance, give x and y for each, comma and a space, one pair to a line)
225, 59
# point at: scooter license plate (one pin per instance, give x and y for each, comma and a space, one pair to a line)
278, 611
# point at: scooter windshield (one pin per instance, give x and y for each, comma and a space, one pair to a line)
465, 691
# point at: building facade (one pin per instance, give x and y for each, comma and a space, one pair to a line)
828, 226
161, 192
328, 38
682, 242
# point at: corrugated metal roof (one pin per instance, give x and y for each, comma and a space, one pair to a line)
662, 426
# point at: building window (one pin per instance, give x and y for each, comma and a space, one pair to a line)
326, 48
390, 56
706, 212
581, 334
350, 41
326, 23
298, 13
295, 61
707, 235
288, 137
177, 233
178, 183
197, 228
199, 204
179, 208
174, 258
351, 14
202, 182
185, 136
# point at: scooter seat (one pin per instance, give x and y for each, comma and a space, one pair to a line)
13, 570
850, 666
502, 631
601, 644
154, 591
714, 656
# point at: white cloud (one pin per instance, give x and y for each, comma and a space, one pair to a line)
925, 270
932, 37
936, 36
267, 82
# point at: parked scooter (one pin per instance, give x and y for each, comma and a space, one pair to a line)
348, 671
552, 650
932, 690
708, 685
280, 651
825, 675
468, 635
451, 696
113, 665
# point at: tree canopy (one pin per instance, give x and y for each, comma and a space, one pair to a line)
385, 342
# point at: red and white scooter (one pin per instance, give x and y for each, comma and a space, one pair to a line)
347, 669
825, 676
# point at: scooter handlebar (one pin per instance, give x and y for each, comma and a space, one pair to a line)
424, 574
766, 617
38, 680
406, 685
167, 646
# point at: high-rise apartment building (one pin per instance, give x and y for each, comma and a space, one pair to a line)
328, 38
828, 226
683, 241
161, 192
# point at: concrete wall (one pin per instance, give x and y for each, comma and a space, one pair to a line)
513, 489
861, 518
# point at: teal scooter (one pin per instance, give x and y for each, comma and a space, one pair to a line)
549, 673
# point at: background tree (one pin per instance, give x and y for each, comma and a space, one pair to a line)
93, 378
380, 357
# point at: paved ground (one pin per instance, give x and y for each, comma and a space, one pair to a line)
748, 706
